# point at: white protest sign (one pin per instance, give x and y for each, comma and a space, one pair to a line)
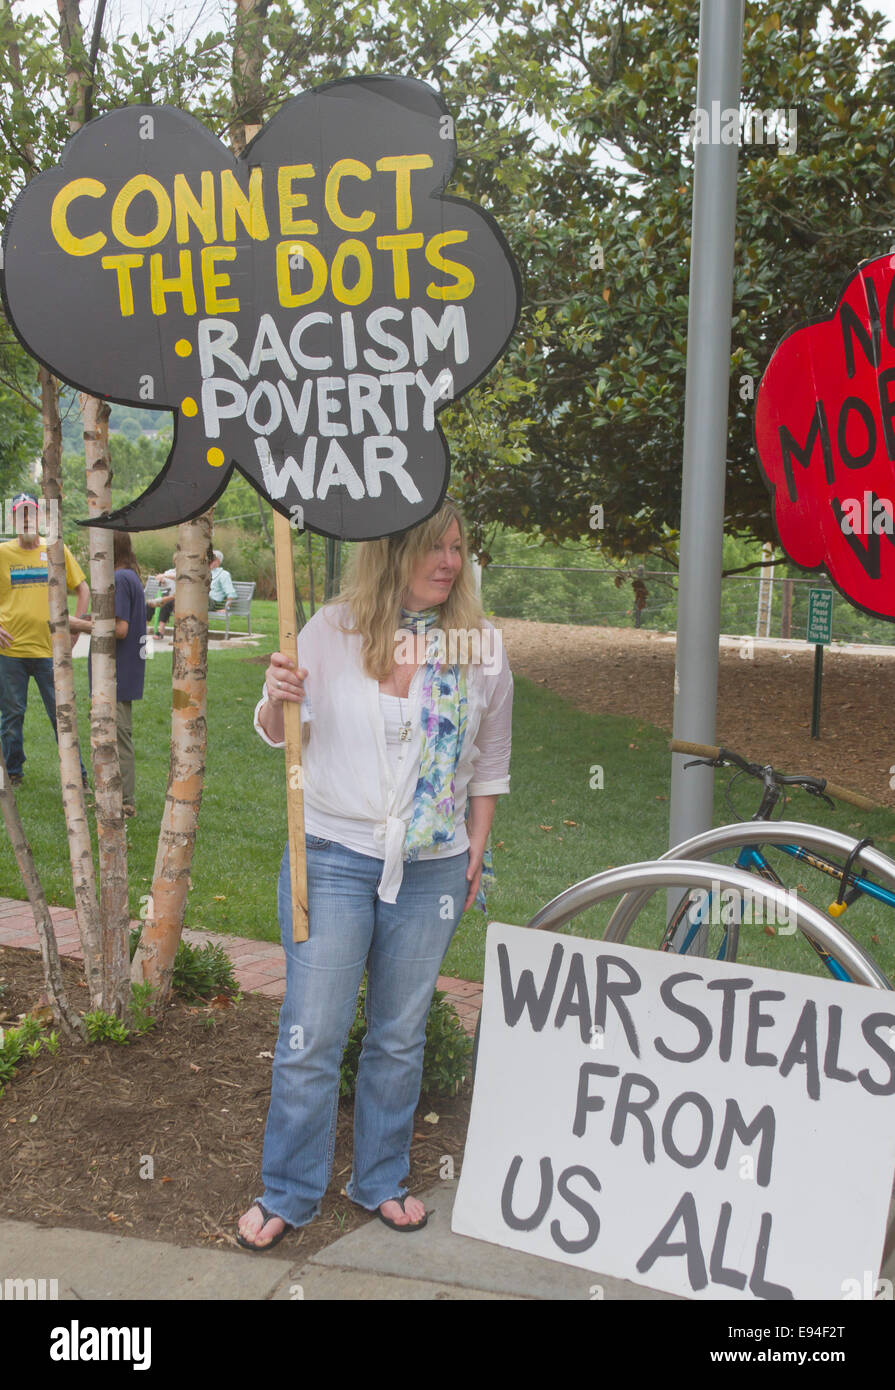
711, 1130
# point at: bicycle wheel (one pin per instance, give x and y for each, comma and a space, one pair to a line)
705, 923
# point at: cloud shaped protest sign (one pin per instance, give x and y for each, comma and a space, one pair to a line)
305, 310
825, 435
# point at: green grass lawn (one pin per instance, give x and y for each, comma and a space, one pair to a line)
555, 749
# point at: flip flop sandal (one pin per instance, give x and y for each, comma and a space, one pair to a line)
393, 1225
268, 1216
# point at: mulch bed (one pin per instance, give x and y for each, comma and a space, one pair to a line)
764, 702
192, 1095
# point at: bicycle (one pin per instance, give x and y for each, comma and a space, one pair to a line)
689, 926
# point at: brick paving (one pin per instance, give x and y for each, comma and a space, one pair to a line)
259, 966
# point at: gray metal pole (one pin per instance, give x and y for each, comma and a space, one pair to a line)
705, 414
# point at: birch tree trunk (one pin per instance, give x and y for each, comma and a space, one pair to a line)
154, 959
248, 57
68, 1019
112, 845
111, 841
79, 847
77, 81
65, 1016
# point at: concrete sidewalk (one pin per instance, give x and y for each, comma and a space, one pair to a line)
371, 1263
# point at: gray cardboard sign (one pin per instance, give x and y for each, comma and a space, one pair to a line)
305, 311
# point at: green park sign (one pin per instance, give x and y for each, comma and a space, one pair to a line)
820, 616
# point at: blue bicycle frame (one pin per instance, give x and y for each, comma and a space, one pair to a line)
751, 858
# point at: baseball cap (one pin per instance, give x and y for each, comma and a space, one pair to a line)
21, 499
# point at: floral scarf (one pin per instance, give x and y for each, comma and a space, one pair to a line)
443, 726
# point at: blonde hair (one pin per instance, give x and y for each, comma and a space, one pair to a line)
379, 574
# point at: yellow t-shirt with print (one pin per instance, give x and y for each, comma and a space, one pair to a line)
24, 597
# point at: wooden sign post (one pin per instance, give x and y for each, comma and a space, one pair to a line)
288, 637
295, 802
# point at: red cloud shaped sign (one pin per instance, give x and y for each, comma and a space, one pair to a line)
825, 435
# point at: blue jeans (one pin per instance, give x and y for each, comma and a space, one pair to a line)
15, 672
402, 945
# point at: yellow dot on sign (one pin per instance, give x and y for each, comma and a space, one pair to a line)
188, 406
183, 348
215, 457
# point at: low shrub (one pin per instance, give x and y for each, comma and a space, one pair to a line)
28, 1039
103, 1027
199, 972
445, 1060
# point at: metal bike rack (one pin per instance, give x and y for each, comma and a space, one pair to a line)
814, 837
641, 880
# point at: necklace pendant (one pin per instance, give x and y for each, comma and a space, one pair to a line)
404, 732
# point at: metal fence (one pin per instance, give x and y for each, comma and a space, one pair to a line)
752, 605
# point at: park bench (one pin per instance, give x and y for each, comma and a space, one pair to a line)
241, 607
151, 589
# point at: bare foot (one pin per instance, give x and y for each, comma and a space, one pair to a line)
413, 1212
252, 1223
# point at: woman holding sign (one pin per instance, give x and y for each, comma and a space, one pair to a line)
406, 702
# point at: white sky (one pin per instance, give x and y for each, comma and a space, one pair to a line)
200, 17
206, 16
132, 16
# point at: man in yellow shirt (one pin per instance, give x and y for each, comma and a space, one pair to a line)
25, 645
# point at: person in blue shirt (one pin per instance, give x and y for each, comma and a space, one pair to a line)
130, 657
130, 652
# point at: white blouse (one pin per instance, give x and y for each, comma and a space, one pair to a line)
358, 790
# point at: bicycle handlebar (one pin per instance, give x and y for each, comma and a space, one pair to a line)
704, 750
